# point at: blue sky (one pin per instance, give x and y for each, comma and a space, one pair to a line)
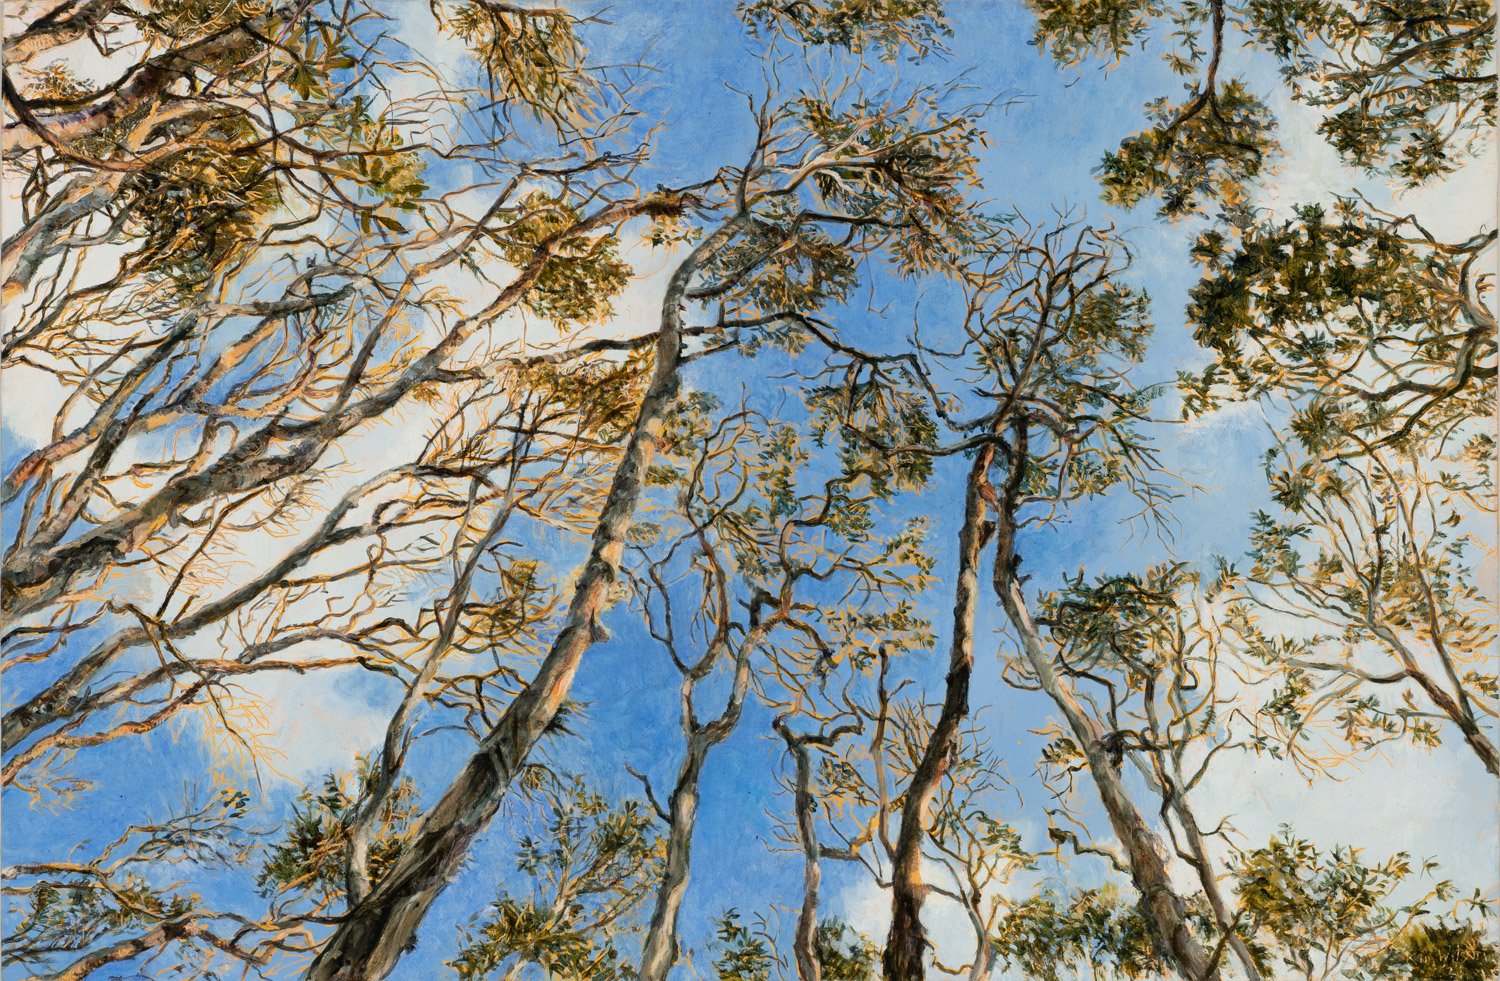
1047, 134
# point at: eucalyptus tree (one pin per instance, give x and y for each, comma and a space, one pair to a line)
1334, 914
98, 908
1380, 338
857, 752
1364, 601
1161, 663
1405, 91
969, 839
1375, 332
764, 568
1058, 340
1051, 333
808, 750
589, 868
232, 262
215, 366
1097, 933
1378, 332
832, 178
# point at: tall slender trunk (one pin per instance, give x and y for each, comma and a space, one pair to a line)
1164, 910
397, 735
1203, 863
375, 933
984, 949
805, 940
659, 951
906, 944
1166, 779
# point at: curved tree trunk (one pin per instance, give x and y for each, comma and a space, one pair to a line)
378, 930
1215, 896
805, 940
906, 944
1164, 910
659, 951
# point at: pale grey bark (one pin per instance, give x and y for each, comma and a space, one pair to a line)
659, 950
42, 238
1160, 903
37, 573
397, 733
805, 939
1164, 909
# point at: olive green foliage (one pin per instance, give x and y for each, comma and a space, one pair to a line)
743, 952
1325, 914
590, 871
886, 26
1378, 330
1053, 937
908, 171
129, 886
1409, 585
1123, 622
208, 185
309, 858
533, 59
1205, 150
1407, 88
577, 282
1440, 952
845, 954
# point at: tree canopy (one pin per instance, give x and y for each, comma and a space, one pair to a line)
853, 489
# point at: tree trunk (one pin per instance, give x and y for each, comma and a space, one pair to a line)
378, 930
805, 941
906, 944
659, 951
1199, 849
1164, 910
984, 950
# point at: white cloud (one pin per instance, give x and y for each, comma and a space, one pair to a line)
317, 722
